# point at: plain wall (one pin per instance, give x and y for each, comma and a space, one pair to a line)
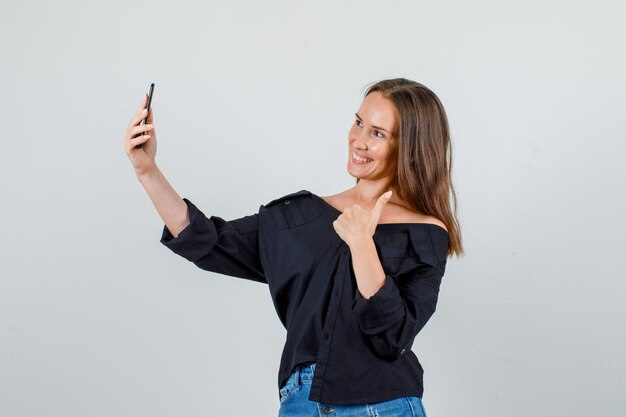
254, 100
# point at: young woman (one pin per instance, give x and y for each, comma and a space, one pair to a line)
354, 276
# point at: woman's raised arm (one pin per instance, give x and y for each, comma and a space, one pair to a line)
166, 200
169, 204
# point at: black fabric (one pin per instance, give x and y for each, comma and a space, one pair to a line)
361, 347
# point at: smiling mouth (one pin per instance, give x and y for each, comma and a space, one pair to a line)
358, 160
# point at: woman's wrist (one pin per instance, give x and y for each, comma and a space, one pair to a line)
147, 173
362, 243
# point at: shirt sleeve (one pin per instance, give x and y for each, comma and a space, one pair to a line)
216, 245
393, 317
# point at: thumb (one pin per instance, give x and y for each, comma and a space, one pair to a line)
143, 103
382, 200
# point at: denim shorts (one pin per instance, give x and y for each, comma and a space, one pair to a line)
294, 401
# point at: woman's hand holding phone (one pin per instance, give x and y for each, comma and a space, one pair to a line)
142, 158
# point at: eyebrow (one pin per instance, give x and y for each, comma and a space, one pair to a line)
377, 127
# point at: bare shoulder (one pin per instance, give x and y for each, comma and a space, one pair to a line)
432, 220
338, 201
392, 213
409, 216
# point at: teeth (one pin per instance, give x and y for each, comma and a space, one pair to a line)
358, 158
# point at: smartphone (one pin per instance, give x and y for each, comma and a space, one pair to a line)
144, 121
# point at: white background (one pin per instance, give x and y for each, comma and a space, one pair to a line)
254, 100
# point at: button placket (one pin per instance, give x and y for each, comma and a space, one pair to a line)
329, 326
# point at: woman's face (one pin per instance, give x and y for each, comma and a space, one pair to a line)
373, 137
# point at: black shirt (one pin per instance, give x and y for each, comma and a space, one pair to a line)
361, 347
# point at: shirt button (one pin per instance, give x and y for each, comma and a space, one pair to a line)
325, 336
402, 351
327, 410
287, 201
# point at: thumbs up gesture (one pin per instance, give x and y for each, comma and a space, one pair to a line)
357, 223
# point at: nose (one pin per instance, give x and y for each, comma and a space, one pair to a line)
359, 139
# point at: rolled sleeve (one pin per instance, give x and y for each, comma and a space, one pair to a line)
195, 240
381, 310
392, 318
216, 245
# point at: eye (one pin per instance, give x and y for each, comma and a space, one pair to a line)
358, 123
379, 134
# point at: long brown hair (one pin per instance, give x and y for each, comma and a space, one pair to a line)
423, 176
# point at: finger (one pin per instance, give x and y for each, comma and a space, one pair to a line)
139, 129
138, 118
140, 110
378, 208
144, 102
138, 140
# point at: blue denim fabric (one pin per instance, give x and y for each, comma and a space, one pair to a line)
294, 401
